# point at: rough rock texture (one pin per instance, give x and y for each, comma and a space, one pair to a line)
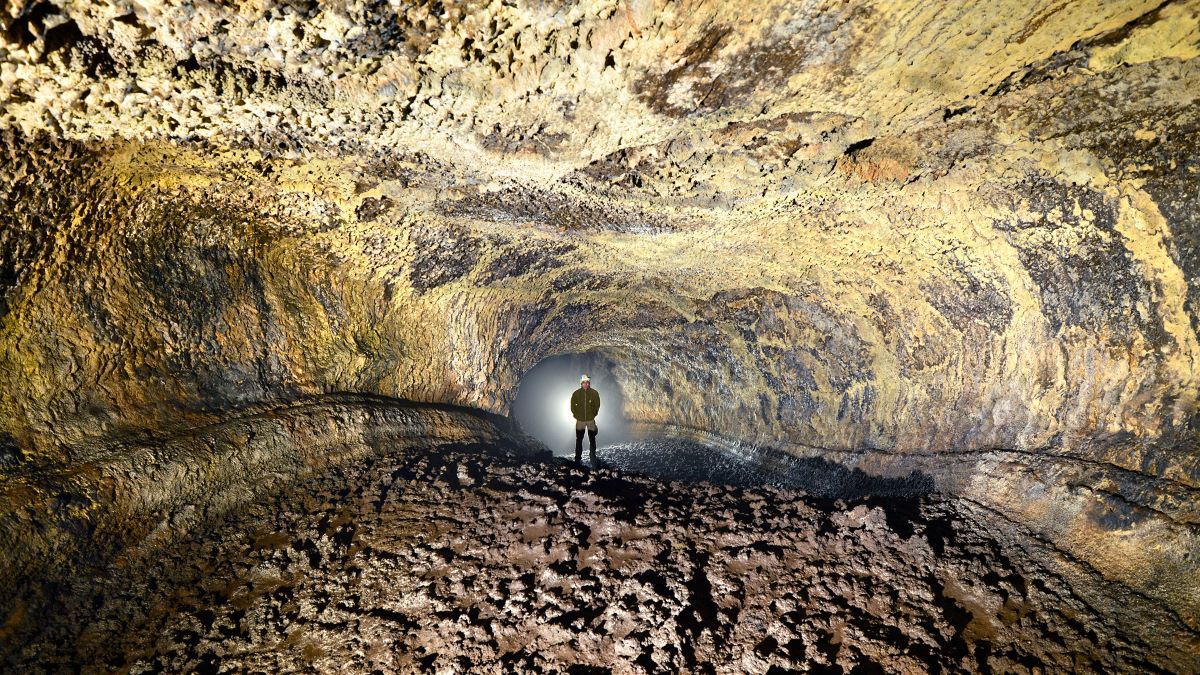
463, 559
904, 236
138, 499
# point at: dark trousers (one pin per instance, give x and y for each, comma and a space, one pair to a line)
579, 444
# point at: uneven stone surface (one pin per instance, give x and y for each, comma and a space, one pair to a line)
946, 239
467, 559
139, 498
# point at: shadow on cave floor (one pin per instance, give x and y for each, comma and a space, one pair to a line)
691, 461
460, 555
467, 558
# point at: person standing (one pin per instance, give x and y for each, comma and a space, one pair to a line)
585, 403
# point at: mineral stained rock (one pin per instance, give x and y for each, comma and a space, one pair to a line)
958, 239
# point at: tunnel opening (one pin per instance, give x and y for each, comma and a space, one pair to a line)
542, 406
542, 410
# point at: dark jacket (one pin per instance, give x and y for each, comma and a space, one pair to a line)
585, 404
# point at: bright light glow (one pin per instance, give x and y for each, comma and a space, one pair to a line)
543, 405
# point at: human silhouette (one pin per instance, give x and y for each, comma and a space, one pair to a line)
585, 404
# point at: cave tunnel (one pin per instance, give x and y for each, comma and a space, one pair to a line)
894, 308
542, 406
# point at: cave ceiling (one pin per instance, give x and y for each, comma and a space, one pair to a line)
842, 214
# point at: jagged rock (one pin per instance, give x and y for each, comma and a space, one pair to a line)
944, 246
425, 578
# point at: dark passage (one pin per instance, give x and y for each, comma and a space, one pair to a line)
542, 407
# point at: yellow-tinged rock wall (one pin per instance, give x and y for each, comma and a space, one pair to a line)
907, 236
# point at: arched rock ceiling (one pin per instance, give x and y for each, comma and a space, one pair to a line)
873, 230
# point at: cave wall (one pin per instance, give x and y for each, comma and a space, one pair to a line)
904, 236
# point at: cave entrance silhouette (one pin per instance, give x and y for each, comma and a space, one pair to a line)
542, 407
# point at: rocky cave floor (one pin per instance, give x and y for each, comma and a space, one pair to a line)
474, 559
